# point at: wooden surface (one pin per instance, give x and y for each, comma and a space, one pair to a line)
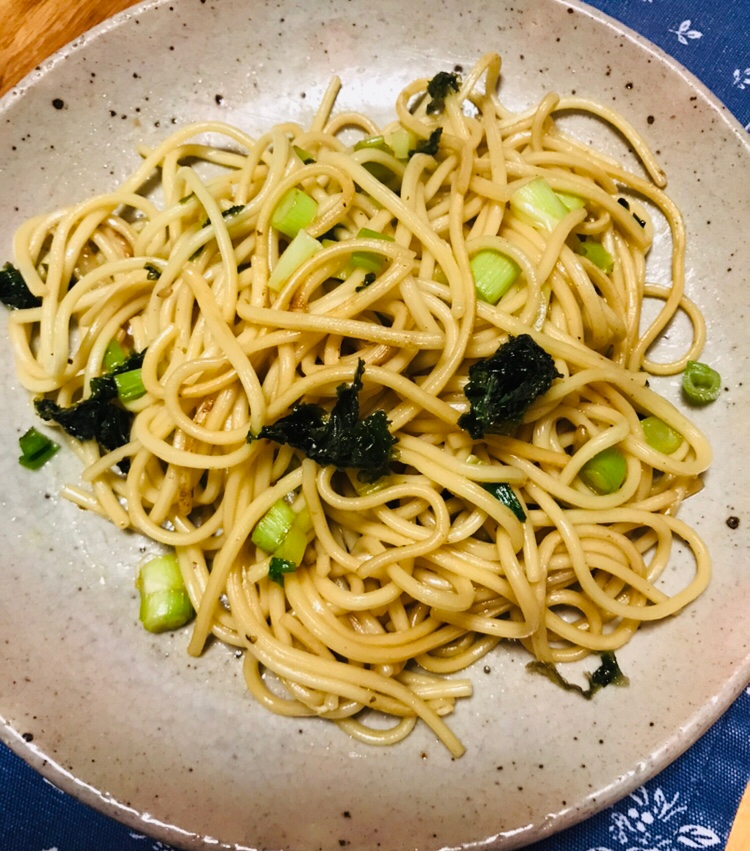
34, 29
739, 838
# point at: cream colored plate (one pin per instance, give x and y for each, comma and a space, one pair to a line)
175, 746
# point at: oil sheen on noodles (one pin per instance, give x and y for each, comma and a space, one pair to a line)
423, 573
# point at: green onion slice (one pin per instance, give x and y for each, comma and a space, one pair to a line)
383, 175
165, 603
304, 155
346, 269
494, 274
293, 546
304, 520
377, 143
273, 527
129, 385
378, 170
299, 250
36, 449
605, 472
597, 254
368, 260
367, 488
295, 210
572, 202
401, 141
660, 436
536, 204
114, 355
700, 383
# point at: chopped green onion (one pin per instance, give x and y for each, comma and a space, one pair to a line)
304, 155
503, 492
597, 254
439, 276
700, 383
153, 273
114, 355
295, 210
36, 449
273, 527
304, 520
343, 273
367, 488
377, 143
379, 170
299, 250
537, 205
293, 546
660, 436
165, 603
32, 442
605, 472
572, 202
401, 142
494, 274
129, 385
368, 260
278, 567
368, 233
384, 175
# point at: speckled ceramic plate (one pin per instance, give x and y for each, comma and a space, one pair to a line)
176, 746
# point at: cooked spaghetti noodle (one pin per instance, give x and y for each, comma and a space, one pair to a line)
424, 571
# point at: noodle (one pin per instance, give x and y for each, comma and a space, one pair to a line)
425, 571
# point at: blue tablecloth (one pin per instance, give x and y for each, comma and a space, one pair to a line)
690, 804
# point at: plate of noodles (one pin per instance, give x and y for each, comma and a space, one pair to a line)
397, 378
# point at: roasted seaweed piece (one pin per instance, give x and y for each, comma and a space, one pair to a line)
98, 417
502, 388
608, 673
14, 292
339, 438
439, 87
428, 146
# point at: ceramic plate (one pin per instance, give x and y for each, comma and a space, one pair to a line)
175, 746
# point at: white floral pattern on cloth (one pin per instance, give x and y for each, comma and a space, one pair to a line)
709, 39
653, 823
684, 32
